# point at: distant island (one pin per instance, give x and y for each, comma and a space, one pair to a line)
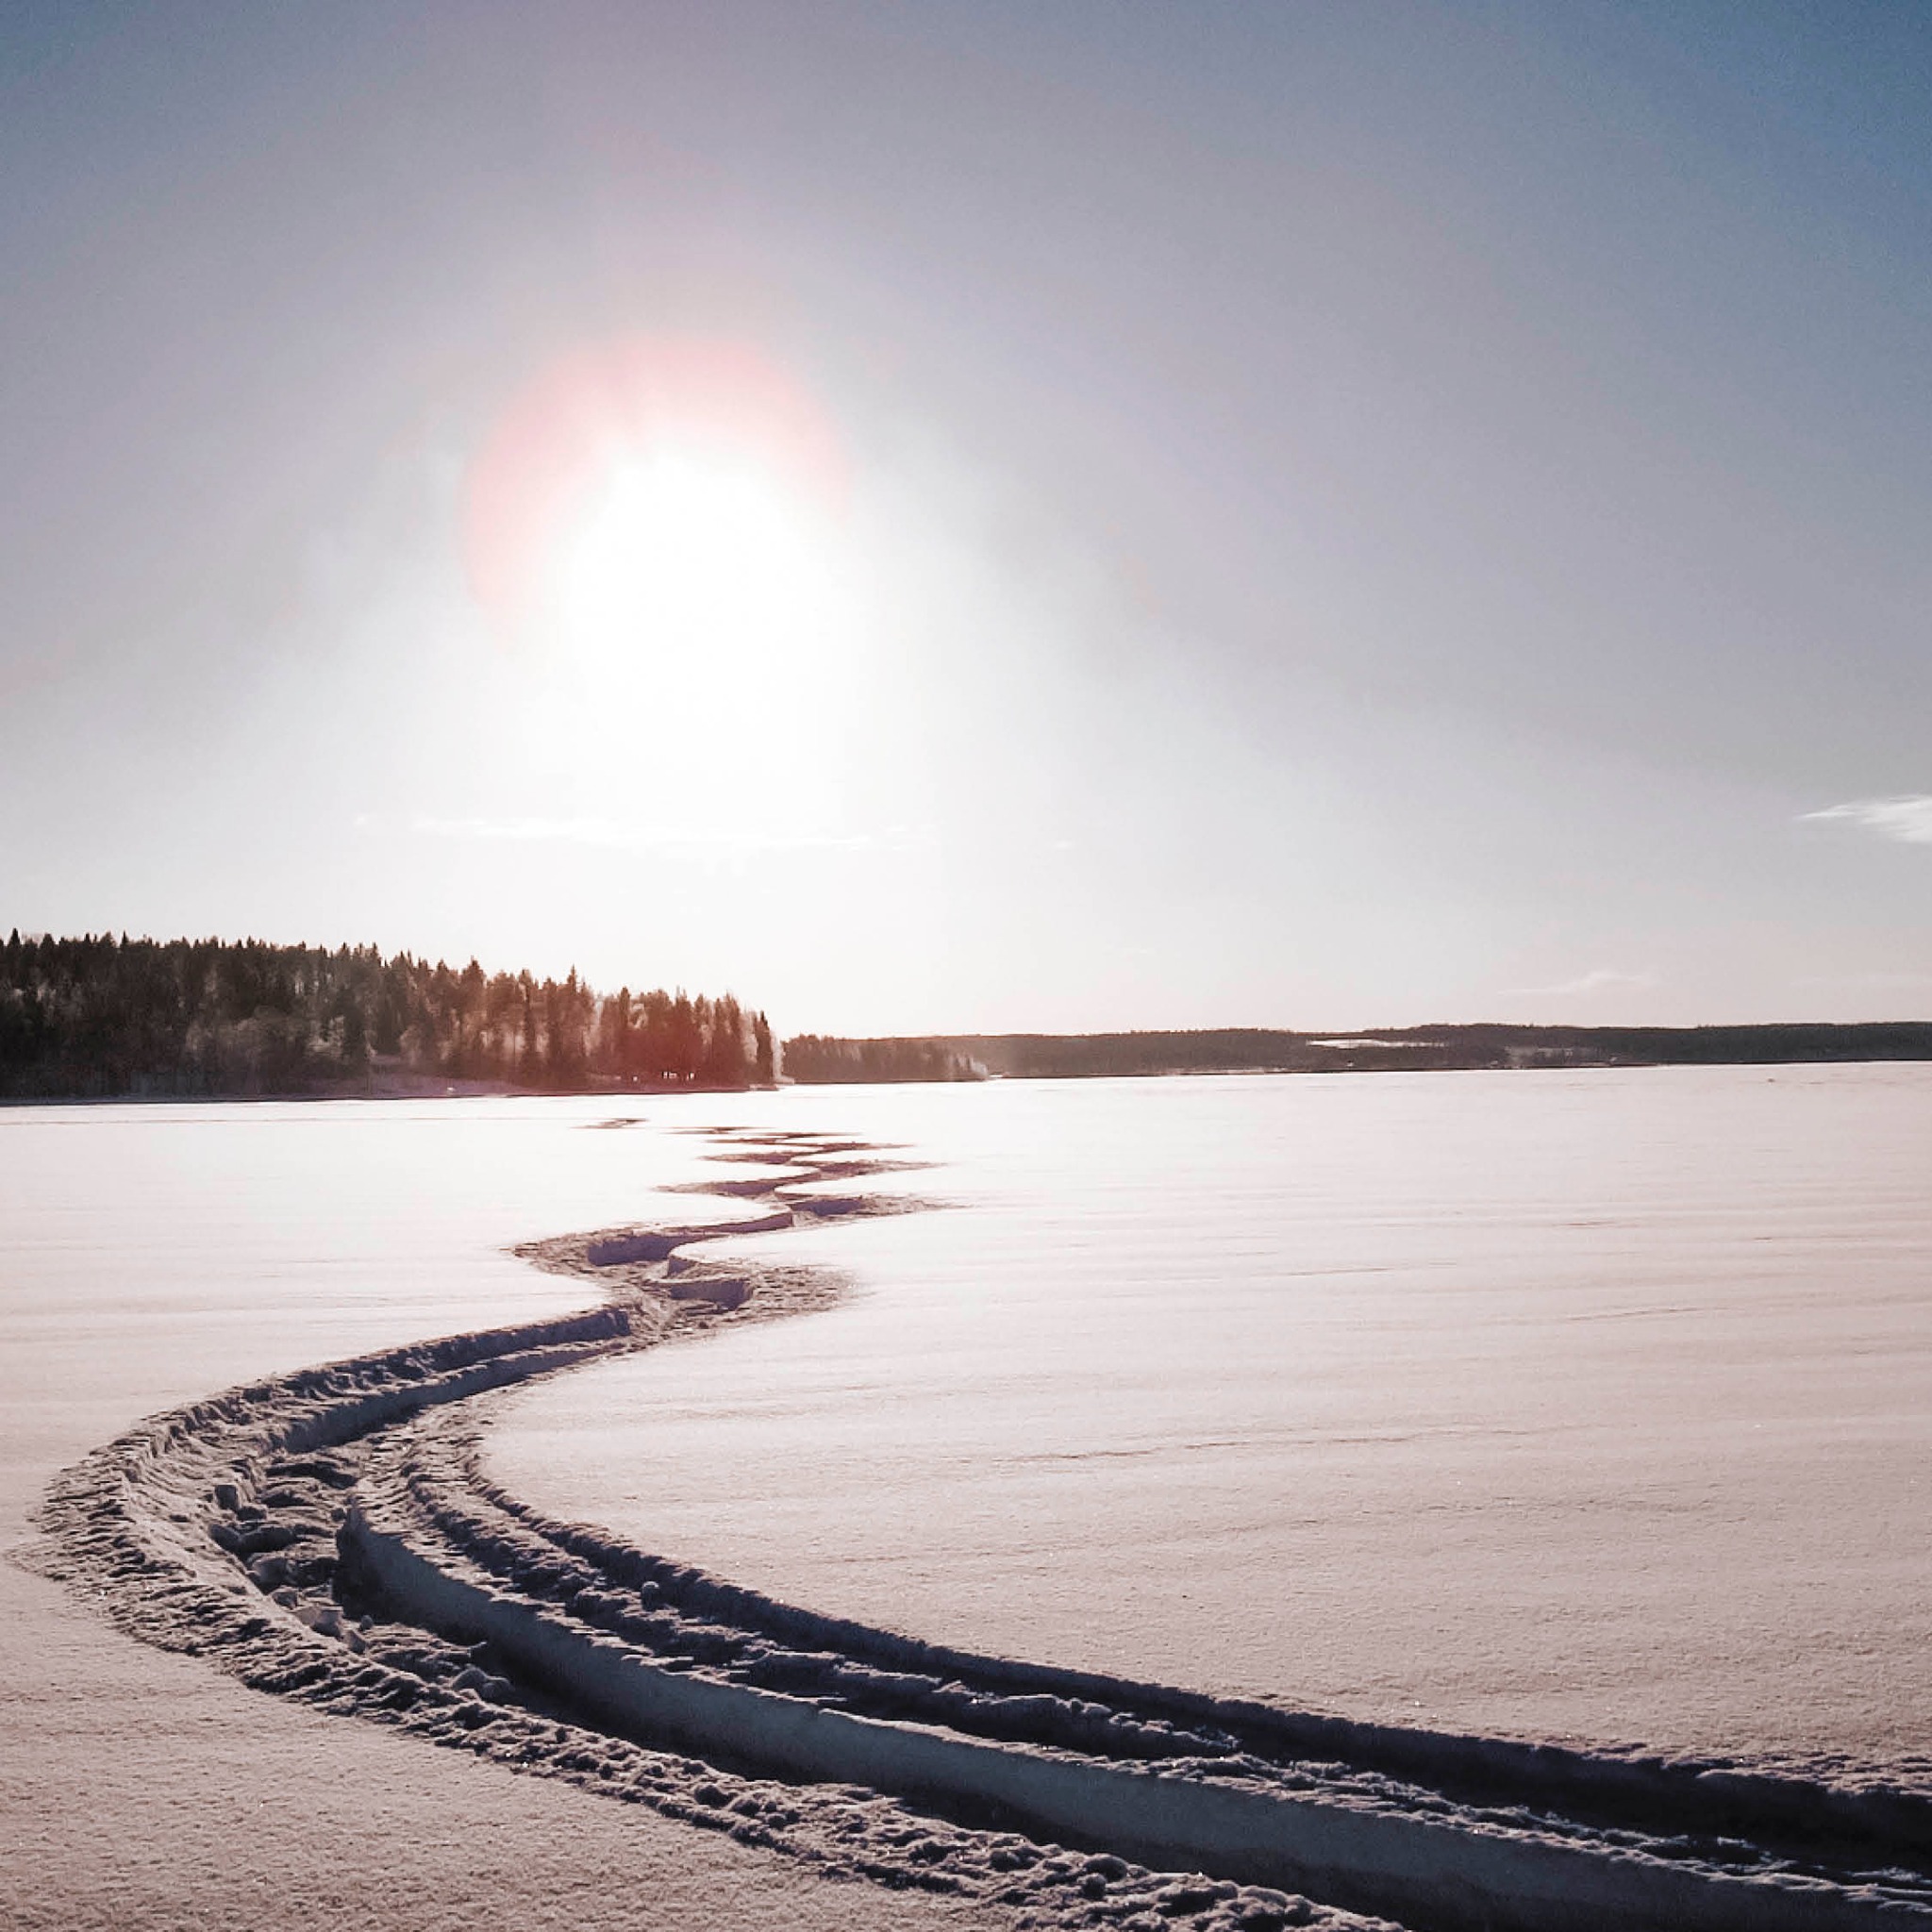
1259, 1050
99, 1017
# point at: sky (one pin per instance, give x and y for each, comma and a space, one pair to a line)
965, 516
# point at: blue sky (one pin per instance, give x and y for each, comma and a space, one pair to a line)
1351, 513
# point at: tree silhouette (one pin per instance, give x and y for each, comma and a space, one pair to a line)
102, 1015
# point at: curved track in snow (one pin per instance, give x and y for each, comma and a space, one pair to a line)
328, 1535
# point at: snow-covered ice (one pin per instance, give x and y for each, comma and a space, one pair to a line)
1387, 1421
151, 1255
1592, 1405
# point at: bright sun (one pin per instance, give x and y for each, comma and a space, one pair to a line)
689, 564
657, 529
660, 521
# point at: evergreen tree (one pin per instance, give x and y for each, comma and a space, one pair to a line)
110, 1014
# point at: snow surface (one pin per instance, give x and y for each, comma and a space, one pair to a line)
1194, 1340
1591, 1405
151, 1255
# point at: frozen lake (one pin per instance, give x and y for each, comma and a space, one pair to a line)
1592, 1406
150, 1256
1589, 1405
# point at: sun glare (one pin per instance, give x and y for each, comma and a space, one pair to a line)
653, 517
693, 563
658, 529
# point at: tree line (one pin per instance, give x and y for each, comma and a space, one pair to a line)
1413, 1049
99, 1015
814, 1059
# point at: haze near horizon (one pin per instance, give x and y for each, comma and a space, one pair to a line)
982, 519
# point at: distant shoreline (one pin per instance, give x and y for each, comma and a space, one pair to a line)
917, 1060
425, 1090
1463, 1048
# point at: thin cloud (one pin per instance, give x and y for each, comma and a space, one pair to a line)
610, 834
1907, 818
1901, 982
1598, 979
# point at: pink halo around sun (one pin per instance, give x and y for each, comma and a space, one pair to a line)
560, 438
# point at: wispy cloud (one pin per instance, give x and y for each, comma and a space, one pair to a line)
1598, 979
613, 835
1907, 818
